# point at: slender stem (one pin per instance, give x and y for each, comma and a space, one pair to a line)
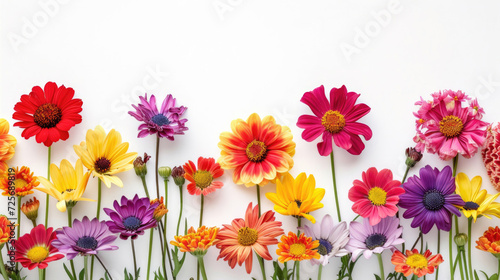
381, 265
455, 165
460, 260
72, 264
143, 179
299, 223
406, 174
258, 198
33, 222
297, 265
414, 277
85, 267
180, 212
320, 270
262, 267
332, 163
47, 196
450, 250
103, 266
41, 274
202, 268
469, 232
460, 265
163, 252
151, 231
156, 166
201, 209
464, 259
19, 216
438, 250
165, 182
355, 218
416, 241
133, 253
98, 212
422, 243
2, 267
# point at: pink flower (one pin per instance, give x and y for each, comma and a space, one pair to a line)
491, 155
376, 196
447, 126
335, 119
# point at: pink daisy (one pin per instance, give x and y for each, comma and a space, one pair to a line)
447, 126
376, 196
335, 119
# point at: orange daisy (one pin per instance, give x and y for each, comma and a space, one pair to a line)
238, 240
490, 241
202, 180
5, 229
258, 150
293, 248
24, 181
196, 242
7, 144
416, 263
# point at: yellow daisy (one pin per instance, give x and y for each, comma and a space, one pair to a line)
105, 155
297, 197
68, 184
477, 202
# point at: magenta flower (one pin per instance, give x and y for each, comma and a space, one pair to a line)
165, 123
447, 126
431, 200
84, 238
335, 119
132, 217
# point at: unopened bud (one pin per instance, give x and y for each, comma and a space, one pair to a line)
460, 239
412, 157
30, 208
160, 209
140, 165
165, 172
178, 175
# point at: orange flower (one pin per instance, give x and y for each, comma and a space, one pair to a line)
30, 208
416, 263
196, 242
160, 210
293, 248
24, 182
5, 229
202, 181
258, 150
7, 144
490, 241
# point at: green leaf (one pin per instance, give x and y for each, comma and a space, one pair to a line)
70, 275
81, 275
377, 277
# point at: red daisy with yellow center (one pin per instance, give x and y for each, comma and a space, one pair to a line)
297, 248
24, 182
202, 179
415, 262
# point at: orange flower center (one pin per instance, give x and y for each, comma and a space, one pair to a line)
417, 261
377, 196
297, 249
247, 236
202, 178
47, 115
333, 121
37, 254
451, 126
256, 151
102, 165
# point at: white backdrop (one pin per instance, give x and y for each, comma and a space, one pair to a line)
225, 59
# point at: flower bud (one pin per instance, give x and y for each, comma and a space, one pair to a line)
165, 172
30, 208
412, 157
460, 239
178, 175
160, 210
140, 165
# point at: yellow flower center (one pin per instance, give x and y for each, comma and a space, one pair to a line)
37, 254
256, 151
247, 236
451, 126
297, 249
377, 196
20, 184
417, 261
333, 121
202, 178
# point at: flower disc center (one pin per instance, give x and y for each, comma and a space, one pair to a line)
375, 240
160, 120
247, 236
47, 115
333, 121
87, 242
20, 184
471, 205
202, 178
102, 165
256, 151
37, 254
297, 249
325, 247
433, 200
132, 223
451, 126
417, 261
377, 196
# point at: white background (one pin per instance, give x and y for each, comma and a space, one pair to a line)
225, 59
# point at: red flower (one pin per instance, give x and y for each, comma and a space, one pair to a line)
201, 181
49, 113
35, 249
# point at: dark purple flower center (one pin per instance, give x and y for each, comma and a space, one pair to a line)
470, 205
102, 165
433, 200
375, 240
160, 120
87, 242
132, 223
325, 247
298, 202
47, 115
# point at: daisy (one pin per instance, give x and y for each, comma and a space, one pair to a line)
35, 249
24, 182
202, 179
196, 242
297, 248
7, 144
478, 202
490, 241
415, 262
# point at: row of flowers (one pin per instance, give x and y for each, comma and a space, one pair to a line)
257, 151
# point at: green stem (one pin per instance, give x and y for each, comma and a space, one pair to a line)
143, 179
450, 250
356, 218
41, 274
85, 267
320, 270
299, 223
455, 165
381, 265
202, 268
406, 174
99, 191
156, 166
498, 270
201, 209
262, 267
33, 222
2, 267
297, 265
163, 249
464, 259
133, 253
460, 260
438, 249
19, 216
165, 182
460, 265
332, 163
258, 198
47, 196
151, 231
469, 251
70, 222
103, 266
416, 241
180, 212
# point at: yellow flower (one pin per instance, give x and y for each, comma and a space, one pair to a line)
7, 144
297, 197
477, 202
68, 185
105, 155
197, 241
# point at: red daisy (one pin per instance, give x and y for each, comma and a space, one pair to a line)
48, 113
35, 249
201, 180
335, 119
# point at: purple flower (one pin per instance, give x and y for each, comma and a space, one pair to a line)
132, 217
84, 238
431, 199
164, 123
367, 240
332, 239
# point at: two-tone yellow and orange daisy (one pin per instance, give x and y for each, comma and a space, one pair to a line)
415, 262
7, 144
196, 242
24, 182
297, 248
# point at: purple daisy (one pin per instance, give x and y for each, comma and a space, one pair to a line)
164, 123
85, 238
367, 239
431, 199
332, 239
132, 217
